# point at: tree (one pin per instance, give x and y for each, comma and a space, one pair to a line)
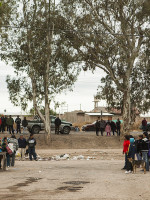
112, 35
42, 63
7, 12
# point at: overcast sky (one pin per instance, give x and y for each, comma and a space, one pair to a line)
82, 96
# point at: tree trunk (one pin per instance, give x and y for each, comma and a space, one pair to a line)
126, 112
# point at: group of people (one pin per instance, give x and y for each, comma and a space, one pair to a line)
11, 125
108, 127
140, 148
12, 145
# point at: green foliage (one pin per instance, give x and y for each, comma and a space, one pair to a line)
31, 51
113, 35
42, 110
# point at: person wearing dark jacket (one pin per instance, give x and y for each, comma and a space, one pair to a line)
18, 122
24, 125
57, 125
138, 145
130, 154
113, 127
97, 126
22, 146
118, 124
145, 148
3, 123
31, 142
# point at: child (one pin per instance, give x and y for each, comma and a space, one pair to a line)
125, 149
108, 129
130, 154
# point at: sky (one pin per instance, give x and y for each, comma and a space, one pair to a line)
82, 95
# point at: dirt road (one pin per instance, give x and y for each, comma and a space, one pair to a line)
98, 178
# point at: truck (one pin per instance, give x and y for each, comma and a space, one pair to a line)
36, 125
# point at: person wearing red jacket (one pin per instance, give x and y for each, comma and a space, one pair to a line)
125, 149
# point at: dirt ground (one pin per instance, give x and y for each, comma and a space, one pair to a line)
86, 174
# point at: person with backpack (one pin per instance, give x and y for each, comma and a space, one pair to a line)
18, 122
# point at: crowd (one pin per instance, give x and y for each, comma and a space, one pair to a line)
139, 148
12, 145
11, 125
108, 127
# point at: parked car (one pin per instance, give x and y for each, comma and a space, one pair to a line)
147, 128
89, 127
36, 125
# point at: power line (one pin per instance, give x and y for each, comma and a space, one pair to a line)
69, 30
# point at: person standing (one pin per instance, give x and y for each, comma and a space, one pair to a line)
57, 125
144, 124
113, 127
126, 144
102, 126
130, 154
13, 142
22, 146
118, 125
10, 123
108, 129
31, 142
3, 123
0, 125
97, 126
18, 122
145, 148
24, 124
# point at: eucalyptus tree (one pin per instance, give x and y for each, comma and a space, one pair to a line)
112, 35
43, 65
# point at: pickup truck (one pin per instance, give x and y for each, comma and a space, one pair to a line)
36, 125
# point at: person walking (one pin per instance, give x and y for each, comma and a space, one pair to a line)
13, 145
97, 126
102, 126
118, 125
57, 125
31, 142
18, 122
10, 123
22, 146
24, 124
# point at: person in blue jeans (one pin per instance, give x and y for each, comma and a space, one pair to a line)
145, 148
31, 142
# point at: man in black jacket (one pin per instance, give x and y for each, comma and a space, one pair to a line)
18, 122
31, 142
22, 146
57, 125
97, 126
